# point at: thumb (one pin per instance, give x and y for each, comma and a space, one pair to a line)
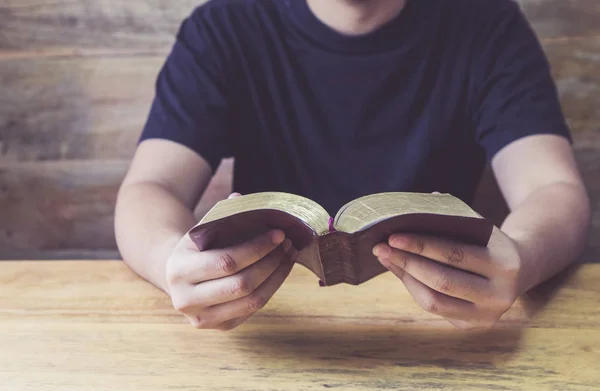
234, 195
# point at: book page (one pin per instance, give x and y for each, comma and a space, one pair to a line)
364, 212
310, 212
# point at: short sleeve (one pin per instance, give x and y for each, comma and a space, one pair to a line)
516, 95
190, 105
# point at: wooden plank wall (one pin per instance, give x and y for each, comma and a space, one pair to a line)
76, 81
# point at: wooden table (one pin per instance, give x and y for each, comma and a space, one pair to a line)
83, 325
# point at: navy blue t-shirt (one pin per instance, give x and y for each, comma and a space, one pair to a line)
421, 104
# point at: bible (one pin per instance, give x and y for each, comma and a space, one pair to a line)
339, 249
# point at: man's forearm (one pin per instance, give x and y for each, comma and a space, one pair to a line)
149, 222
551, 229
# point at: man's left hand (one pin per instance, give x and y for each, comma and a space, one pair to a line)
470, 286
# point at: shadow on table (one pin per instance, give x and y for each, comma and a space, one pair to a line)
538, 298
358, 343
359, 346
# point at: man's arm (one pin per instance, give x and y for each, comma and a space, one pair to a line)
550, 209
519, 124
214, 289
155, 205
546, 230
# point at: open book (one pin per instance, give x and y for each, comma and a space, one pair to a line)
339, 249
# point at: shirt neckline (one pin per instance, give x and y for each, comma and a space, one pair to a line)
386, 37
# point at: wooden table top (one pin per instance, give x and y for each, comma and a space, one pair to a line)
94, 325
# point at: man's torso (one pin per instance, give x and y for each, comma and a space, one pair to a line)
334, 117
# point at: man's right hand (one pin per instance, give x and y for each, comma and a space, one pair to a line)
220, 289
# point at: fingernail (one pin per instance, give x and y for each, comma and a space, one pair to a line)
277, 237
382, 251
398, 240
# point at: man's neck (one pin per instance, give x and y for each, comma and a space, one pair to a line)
356, 17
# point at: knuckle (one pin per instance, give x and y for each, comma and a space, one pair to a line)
417, 245
484, 324
240, 287
227, 326
202, 323
256, 302
432, 306
399, 272
444, 285
403, 257
481, 323
454, 255
226, 264
172, 277
504, 302
256, 250
511, 270
463, 325
181, 304
509, 265
175, 274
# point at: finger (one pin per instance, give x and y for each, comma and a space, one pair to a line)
241, 284
234, 195
256, 300
461, 324
458, 255
233, 323
435, 302
225, 262
437, 276
196, 267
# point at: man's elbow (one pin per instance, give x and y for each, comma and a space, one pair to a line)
577, 204
585, 215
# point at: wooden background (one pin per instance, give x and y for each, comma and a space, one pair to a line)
76, 81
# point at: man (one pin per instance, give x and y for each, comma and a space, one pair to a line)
341, 98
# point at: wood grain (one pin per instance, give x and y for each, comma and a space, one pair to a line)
58, 205
135, 24
74, 108
559, 20
576, 69
76, 325
149, 25
66, 208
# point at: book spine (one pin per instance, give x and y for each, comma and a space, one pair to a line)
335, 250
